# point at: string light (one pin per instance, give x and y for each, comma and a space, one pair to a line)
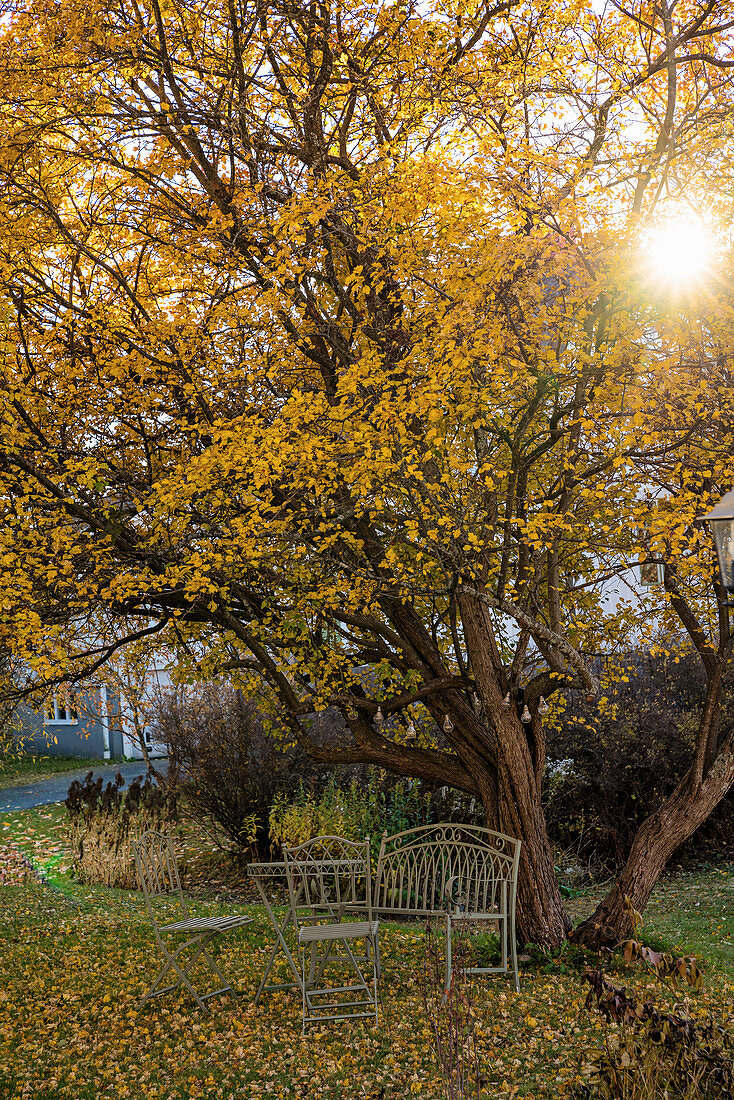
543, 707
448, 725
506, 700
379, 717
526, 716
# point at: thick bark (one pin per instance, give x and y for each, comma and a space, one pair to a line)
512, 800
541, 917
658, 837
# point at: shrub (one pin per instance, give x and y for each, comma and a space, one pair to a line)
227, 767
366, 808
104, 822
656, 1054
355, 812
610, 767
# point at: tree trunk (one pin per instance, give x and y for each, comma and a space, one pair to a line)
541, 916
510, 789
674, 822
517, 812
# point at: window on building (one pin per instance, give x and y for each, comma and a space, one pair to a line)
62, 708
651, 573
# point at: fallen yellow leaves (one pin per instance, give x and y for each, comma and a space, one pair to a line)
74, 961
71, 976
14, 869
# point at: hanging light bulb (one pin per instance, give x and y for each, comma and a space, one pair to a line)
477, 702
543, 707
448, 725
506, 700
410, 732
526, 716
379, 717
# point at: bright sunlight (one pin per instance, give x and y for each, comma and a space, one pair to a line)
679, 253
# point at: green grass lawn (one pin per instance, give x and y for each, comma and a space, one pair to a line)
74, 960
24, 769
689, 913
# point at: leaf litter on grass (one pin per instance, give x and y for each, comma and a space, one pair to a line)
71, 979
74, 962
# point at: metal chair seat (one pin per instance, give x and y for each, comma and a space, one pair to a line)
206, 924
353, 930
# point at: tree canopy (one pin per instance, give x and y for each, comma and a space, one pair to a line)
330, 343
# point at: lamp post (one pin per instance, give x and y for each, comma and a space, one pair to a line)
721, 519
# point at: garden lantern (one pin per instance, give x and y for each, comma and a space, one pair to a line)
721, 519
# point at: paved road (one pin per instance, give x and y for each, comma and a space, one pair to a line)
53, 789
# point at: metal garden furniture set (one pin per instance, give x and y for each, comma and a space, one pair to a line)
460, 873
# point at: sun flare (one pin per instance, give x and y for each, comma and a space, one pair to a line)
679, 253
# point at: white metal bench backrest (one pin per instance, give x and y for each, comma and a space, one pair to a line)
155, 859
425, 870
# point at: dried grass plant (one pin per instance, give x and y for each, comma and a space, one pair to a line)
105, 822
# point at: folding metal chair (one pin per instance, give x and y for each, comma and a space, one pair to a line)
158, 875
329, 881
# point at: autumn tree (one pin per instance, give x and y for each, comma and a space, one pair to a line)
331, 356
131, 686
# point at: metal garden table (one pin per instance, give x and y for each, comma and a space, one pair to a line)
266, 875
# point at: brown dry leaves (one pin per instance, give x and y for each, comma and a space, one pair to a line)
74, 961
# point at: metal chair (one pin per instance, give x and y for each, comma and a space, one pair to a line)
329, 884
158, 875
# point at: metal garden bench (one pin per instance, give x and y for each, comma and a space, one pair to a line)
460, 872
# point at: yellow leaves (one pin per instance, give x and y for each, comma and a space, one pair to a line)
382, 341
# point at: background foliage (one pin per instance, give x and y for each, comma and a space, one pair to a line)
612, 766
